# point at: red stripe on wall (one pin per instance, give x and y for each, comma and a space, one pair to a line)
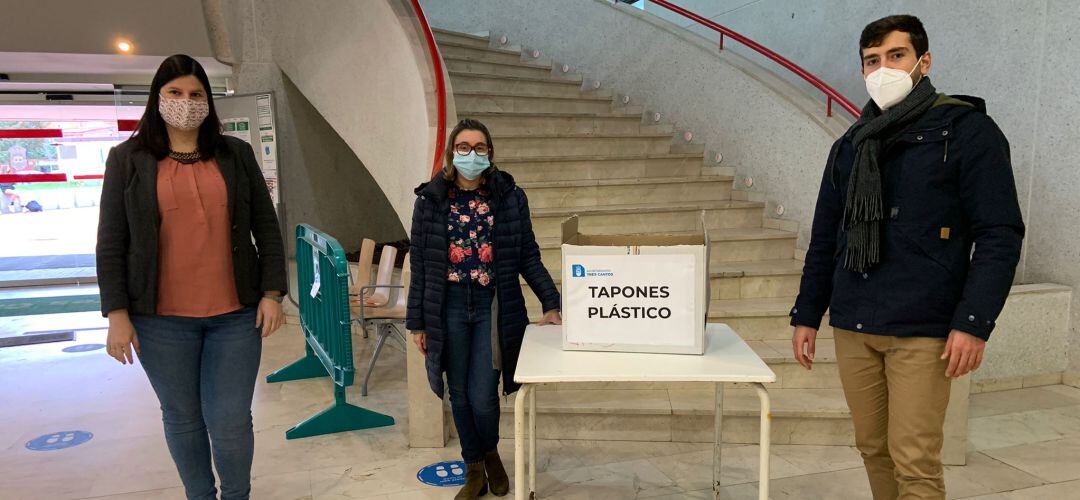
31, 133
26, 178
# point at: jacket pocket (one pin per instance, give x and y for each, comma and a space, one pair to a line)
943, 245
945, 251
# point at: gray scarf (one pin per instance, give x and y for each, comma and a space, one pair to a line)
873, 133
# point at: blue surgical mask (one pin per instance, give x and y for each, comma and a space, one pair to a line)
471, 165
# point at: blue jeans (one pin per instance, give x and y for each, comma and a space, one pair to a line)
203, 371
473, 382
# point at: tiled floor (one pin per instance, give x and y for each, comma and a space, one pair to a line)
1025, 444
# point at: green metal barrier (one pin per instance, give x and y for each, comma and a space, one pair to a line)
323, 279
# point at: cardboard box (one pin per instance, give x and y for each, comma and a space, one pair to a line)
634, 293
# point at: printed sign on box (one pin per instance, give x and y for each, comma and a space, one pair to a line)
634, 293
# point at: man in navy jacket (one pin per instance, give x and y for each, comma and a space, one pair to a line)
919, 181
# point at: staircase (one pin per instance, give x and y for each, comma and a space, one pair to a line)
580, 152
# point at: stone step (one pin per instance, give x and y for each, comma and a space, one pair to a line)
743, 280
459, 65
662, 218
756, 280
728, 245
509, 102
588, 193
548, 87
578, 144
567, 124
473, 53
799, 416
444, 36
760, 319
622, 166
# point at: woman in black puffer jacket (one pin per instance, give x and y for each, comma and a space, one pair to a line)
471, 240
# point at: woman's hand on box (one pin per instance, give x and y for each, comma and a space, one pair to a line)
552, 317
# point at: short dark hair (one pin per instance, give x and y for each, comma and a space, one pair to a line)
449, 172
874, 33
150, 133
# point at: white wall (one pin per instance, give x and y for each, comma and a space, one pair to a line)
356, 87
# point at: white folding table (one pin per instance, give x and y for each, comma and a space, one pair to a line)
727, 358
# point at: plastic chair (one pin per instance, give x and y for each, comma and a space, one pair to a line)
385, 319
378, 295
360, 274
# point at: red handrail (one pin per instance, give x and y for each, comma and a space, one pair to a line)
830, 93
440, 86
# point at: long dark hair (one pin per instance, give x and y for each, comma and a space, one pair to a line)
449, 172
150, 133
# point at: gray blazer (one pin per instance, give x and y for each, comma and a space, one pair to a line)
127, 243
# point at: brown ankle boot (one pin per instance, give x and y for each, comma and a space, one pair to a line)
475, 482
496, 474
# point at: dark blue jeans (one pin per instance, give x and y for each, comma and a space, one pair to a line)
473, 382
203, 371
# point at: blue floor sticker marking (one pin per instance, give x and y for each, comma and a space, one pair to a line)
443, 474
59, 440
83, 348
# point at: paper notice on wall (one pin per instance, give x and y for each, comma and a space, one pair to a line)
267, 147
238, 127
266, 116
317, 282
630, 299
272, 185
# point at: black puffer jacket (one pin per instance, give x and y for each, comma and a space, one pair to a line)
948, 186
516, 254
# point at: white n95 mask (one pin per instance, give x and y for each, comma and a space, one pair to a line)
889, 86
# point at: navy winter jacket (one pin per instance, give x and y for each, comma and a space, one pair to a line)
947, 187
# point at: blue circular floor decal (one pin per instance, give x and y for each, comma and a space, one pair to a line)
59, 440
83, 348
443, 474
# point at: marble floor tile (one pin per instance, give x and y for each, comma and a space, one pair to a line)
365, 479
989, 404
634, 479
292, 486
846, 484
983, 475
1058, 491
693, 471
814, 459
164, 494
1053, 461
1013, 429
569, 454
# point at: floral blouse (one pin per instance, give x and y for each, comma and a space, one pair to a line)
471, 241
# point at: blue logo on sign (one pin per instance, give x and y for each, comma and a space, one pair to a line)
443, 474
59, 440
578, 270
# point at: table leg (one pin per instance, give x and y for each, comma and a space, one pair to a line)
718, 422
765, 439
532, 442
519, 443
